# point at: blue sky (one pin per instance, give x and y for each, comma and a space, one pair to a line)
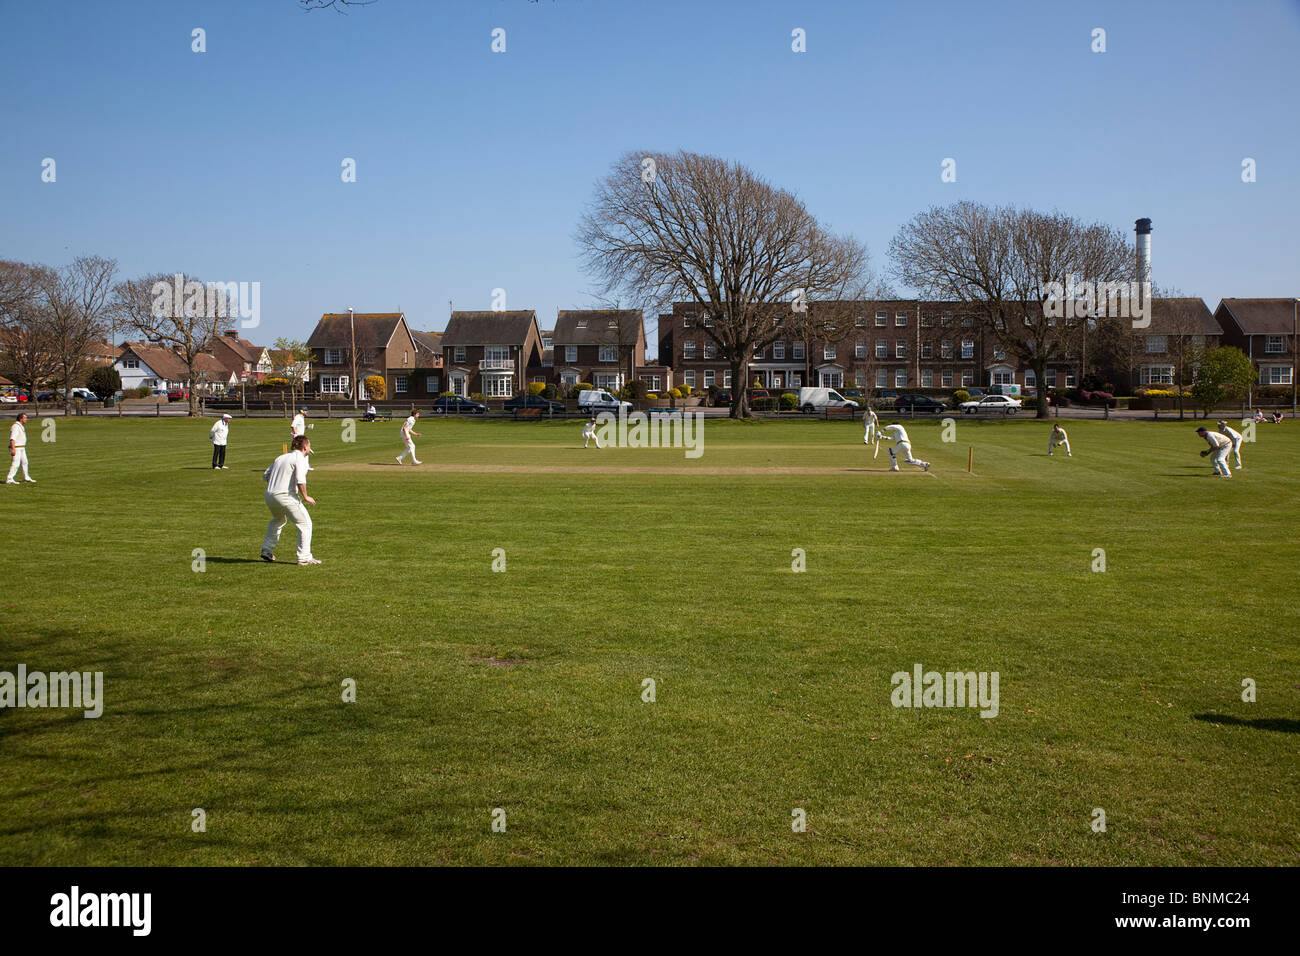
473, 167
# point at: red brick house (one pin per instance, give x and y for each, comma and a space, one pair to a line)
493, 353
1266, 330
384, 347
604, 347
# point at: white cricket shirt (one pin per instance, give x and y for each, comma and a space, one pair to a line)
18, 435
286, 473
299, 425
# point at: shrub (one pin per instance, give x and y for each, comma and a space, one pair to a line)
577, 387
479, 397
536, 388
634, 391
789, 402
552, 392
275, 383
651, 396
446, 394
959, 396
143, 391
676, 392
375, 386
104, 381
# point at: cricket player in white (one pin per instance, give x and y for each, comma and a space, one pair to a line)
898, 434
406, 437
287, 500
18, 450
589, 434
299, 424
1220, 445
1235, 437
217, 435
1059, 437
870, 425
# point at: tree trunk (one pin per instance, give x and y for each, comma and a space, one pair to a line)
740, 389
1039, 366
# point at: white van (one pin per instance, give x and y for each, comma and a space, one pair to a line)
593, 400
815, 399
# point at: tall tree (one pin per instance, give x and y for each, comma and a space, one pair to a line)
290, 359
27, 355
177, 312
1224, 373
77, 298
665, 227
1007, 266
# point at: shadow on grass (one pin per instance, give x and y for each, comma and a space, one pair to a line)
1279, 724
216, 560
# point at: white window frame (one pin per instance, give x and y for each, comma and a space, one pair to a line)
882, 378
570, 354
828, 352
882, 319
709, 377
399, 384
608, 354
900, 349
967, 348
900, 378
900, 320
927, 378
1274, 344
1157, 344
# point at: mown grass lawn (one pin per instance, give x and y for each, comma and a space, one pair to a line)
522, 690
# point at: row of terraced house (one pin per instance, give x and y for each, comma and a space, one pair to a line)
891, 344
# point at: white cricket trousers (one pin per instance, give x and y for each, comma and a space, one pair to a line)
1236, 450
1053, 442
19, 459
906, 448
410, 450
868, 431
286, 507
1220, 457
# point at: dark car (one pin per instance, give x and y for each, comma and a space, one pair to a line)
854, 394
455, 405
520, 402
723, 397
918, 403
887, 395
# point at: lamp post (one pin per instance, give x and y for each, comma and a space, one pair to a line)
1295, 340
352, 322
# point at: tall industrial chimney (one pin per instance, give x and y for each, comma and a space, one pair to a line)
1143, 227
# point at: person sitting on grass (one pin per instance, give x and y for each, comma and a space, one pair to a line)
370, 412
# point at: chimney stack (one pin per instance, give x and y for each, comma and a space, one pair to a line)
1143, 227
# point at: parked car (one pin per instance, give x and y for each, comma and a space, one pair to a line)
533, 401
456, 405
8, 399
992, 403
47, 396
178, 395
853, 394
723, 397
973, 392
887, 395
918, 403
593, 400
817, 398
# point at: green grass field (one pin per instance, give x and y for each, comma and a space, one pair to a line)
522, 690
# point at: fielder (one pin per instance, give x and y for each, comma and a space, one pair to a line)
870, 426
898, 434
1235, 437
1220, 445
299, 424
287, 499
217, 435
18, 450
1059, 437
406, 437
589, 434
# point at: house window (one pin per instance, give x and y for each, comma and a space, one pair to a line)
709, 350
1049, 377
1276, 375
828, 352
570, 354
399, 384
882, 348
726, 379
860, 349
459, 354
967, 378
882, 378
569, 378
927, 321
582, 323
967, 348
832, 379
945, 320
796, 351
882, 319
689, 377
1029, 378
900, 349
609, 353
860, 321
969, 320
945, 349
333, 384
688, 349
999, 353
431, 384
860, 379
900, 378
900, 319
1156, 344
333, 357
130, 363
708, 377
927, 350
796, 379
708, 321
778, 350
1274, 345
498, 386
927, 378
651, 382
946, 378
1001, 378
758, 351
547, 344
610, 382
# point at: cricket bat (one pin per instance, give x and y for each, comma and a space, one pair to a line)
876, 453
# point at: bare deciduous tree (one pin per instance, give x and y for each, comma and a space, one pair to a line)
175, 312
77, 298
27, 356
684, 226
1001, 262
